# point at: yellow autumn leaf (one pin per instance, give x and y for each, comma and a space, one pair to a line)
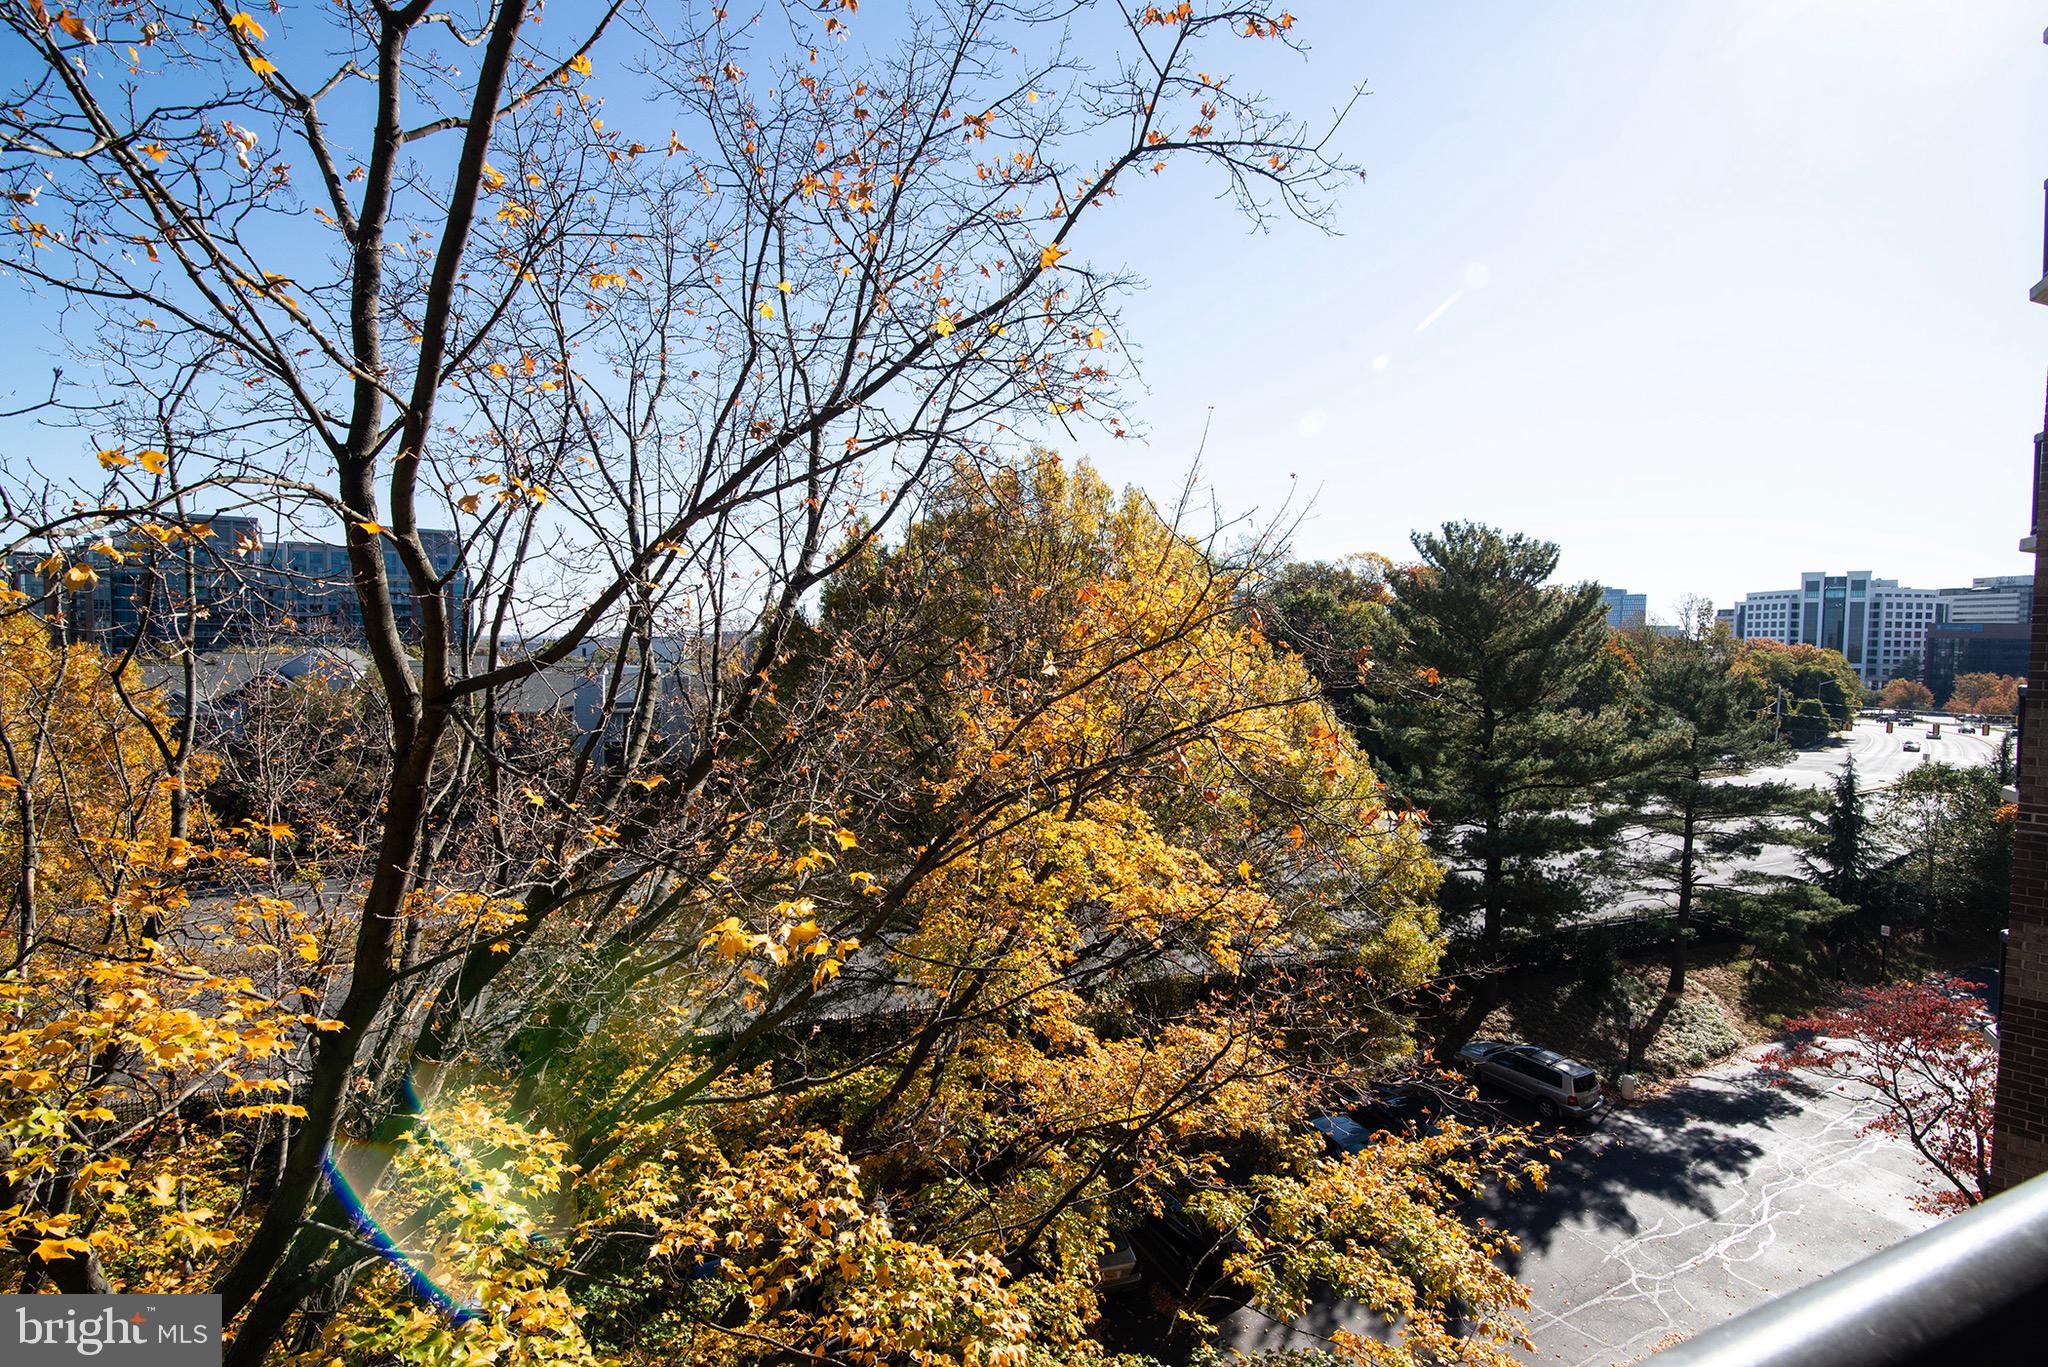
943, 325
767, 310
54, 1250
1095, 337
249, 27
154, 151
373, 528
262, 66
784, 286
493, 177
580, 64
467, 503
847, 840
1050, 257
153, 461
114, 459
79, 578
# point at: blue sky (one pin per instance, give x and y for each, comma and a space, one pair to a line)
1734, 290
1708, 293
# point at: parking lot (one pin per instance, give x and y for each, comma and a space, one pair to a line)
1676, 1213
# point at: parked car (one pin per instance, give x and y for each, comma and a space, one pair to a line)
1341, 1134
1117, 1269
1182, 1255
1911, 745
1560, 1087
1415, 1107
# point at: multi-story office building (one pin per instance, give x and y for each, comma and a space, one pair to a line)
1772, 615
1625, 609
1875, 624
231, 588
1900, 621
2001, 599
1973, 648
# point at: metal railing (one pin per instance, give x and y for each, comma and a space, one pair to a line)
1973, 1284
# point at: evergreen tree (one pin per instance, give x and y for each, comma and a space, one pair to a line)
1835, 846
1703, 723
1838, 854
1484, 706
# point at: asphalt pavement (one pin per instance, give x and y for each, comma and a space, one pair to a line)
1881, 757
1679, 1212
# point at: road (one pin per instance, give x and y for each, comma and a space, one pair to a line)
1881, 759
1680, 1212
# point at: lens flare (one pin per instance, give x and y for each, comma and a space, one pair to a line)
357, 1199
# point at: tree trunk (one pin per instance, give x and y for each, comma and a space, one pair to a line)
1484, 992
335, 1051
1639, 1041
1480, 1000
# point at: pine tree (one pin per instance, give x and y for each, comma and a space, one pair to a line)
1837, 853
1835, 848
1486, 697
1704, 723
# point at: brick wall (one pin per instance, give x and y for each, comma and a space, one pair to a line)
2020, 1144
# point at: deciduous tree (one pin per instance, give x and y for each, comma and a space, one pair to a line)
1925, 1050
1906, 695
1995, 695
1795, 675
1955, 829
1325, 612
936, 933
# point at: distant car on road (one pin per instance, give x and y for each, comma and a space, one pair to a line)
1560, 1087
1910, 745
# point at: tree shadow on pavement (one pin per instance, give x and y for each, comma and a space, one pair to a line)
1683, 1149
